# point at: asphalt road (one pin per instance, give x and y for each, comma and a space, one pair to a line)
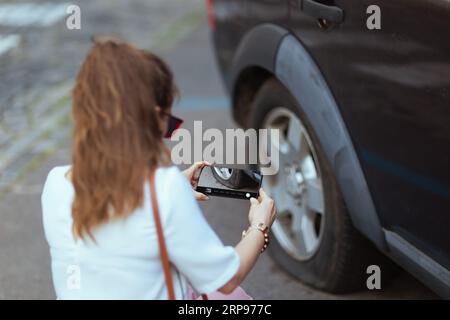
24, 257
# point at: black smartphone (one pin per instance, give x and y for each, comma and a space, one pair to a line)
229, 182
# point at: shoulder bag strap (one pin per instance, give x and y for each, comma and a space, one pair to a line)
162, 244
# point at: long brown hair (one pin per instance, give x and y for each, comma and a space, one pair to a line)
117, 136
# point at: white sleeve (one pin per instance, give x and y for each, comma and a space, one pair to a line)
50, 199
193, 247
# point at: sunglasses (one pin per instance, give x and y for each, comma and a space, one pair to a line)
173, 123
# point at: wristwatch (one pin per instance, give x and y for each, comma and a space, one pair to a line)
261, 227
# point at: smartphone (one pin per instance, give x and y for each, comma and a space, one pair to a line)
229, 182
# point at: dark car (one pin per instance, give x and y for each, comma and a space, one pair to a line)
365, 121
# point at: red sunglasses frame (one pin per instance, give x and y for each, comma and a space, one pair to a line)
173, 123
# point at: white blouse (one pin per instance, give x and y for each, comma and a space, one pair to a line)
124, 263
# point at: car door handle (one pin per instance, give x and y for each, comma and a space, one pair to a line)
322, 11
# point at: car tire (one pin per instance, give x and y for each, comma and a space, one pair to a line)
339, 265
236, 178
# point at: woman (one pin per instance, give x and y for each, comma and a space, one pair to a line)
97, 213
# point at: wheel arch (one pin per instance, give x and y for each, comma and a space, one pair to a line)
252, 64
271, 51
298, 72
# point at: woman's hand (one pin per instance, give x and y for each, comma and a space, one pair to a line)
262, 210
193, 174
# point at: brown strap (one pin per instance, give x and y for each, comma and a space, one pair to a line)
162, 244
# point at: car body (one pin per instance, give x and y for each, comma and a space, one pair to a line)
377, 103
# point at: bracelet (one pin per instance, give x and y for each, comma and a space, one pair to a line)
264, 229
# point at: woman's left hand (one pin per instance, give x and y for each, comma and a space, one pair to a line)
193, 174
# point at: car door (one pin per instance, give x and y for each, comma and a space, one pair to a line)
268, 11
392, 86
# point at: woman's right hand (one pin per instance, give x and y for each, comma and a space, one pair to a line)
262, 210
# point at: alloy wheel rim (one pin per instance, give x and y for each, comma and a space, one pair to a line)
224, 173
297, 188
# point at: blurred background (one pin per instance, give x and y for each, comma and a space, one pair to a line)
39, 58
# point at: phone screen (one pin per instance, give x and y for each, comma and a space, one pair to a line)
229, 182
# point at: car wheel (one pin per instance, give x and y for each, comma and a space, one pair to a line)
229, 177
313, 237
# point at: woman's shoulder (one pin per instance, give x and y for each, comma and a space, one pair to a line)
57, 173
168, 172
170, 183
59, 170
55, 195
56, 179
